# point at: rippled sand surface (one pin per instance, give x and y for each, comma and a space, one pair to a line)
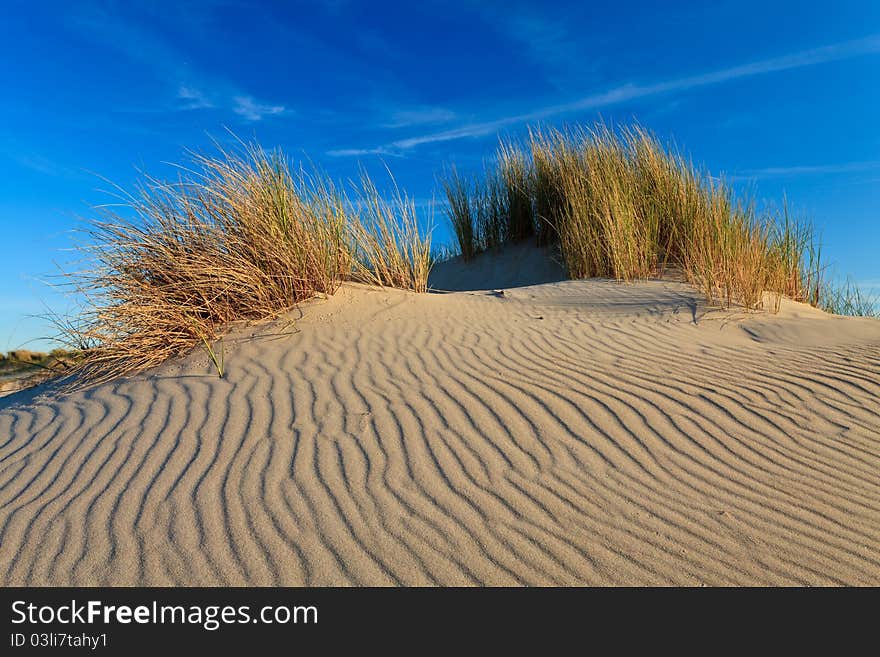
580, 432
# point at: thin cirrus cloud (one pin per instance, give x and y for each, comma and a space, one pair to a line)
827, 169
358, 152
251, 110
401, 119
146, 49
420, 116
193, 99
190, 98
627, 92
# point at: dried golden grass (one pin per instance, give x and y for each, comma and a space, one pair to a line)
515, 173
462, 216
389, 246
478, 211
240, 236
623, 205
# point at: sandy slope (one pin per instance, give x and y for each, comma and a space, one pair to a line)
572, 432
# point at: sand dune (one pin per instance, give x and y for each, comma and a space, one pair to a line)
566, 433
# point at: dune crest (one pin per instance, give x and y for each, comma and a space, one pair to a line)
567, 433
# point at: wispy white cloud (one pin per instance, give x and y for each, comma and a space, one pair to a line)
39, 164
419, 116
42, 165
252, 110
191, 89
360, 152
629, 92
193, 99
827, 169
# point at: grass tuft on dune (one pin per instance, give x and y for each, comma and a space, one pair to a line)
623, 205
240, 236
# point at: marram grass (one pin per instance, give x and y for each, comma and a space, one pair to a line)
621, 204
241, 236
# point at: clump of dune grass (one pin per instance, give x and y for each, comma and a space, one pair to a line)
239, 236
444, 252
242, 236
621, 204
494, 208
460, 212
478, 210
553, 160
389, 246
515, 175
847, 298
726, 253
491, 209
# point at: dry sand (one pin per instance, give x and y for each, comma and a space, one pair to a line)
565, 433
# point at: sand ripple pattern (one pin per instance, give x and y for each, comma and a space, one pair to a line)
572, 433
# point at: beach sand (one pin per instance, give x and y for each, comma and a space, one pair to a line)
572, 432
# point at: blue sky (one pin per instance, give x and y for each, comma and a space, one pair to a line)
783, 97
